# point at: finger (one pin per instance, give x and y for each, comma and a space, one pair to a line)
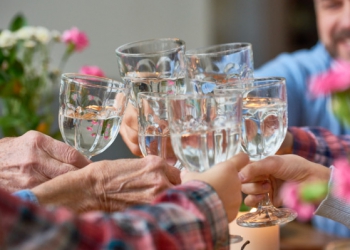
54, 168
62, 152
130, 141
259, 170
173, 175
130, 117
256, 187
253, 200
239, 161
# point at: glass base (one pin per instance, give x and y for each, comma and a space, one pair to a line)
267, 216
235, 239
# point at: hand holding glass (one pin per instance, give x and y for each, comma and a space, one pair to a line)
264, 126
91, 110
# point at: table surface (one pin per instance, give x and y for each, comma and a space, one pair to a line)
302, 236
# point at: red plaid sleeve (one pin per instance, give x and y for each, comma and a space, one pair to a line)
189, 216
319, 145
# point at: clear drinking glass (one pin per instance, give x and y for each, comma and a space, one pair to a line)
154, 134
204, 129
155, 65
91, 110
264, 126
218, 64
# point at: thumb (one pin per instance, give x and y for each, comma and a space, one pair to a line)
173, 175
58, 169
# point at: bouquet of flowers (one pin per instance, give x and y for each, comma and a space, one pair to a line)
303, 198
27, 79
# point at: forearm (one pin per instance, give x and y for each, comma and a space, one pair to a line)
69, 190
185, 217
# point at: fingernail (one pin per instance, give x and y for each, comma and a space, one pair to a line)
266, 185
241, 177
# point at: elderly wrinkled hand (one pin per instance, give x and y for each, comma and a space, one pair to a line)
110, 185
34, 158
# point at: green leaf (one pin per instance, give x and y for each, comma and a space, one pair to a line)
244, 207
314, 192
18, 22
341, 106
16, 69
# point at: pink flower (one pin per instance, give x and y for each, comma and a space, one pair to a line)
89, 128
75, 37
291, 198
341, 179
337, 79
91, 70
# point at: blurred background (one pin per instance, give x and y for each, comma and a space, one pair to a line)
272, 26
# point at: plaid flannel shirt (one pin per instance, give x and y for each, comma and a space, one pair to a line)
189, 216
319, 145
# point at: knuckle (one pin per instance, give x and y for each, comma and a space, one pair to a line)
70, 154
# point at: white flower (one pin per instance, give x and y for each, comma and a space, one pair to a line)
7, 39
56, 35
29, 44
42, 35
25, 33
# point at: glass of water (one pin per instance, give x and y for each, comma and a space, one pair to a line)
205, 129
153, 132
91, 109
155, 65
264, 126
218, 64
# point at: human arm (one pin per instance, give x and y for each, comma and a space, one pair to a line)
188, 216
109, 185
316, 144
34, 158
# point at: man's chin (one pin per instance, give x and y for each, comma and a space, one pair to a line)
343, 51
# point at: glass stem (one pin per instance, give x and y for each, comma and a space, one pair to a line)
265, 202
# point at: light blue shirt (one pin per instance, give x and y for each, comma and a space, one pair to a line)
297, 68
26, 195
304, 110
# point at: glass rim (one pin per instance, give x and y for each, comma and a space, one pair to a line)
77, 76
245, 83
206, 96
119, 51
238, 46
153, 95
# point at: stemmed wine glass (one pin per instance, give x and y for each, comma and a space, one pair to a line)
205, 130
153, 127
91, 110
264, 126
